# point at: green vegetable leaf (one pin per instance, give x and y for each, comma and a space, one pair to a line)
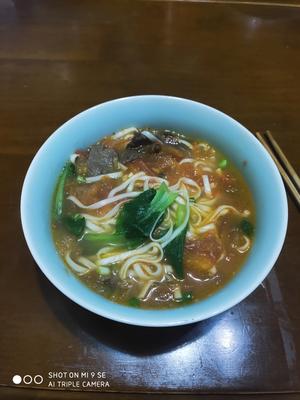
175, 249
75, 224
180, 214
223, 164
150, 217
134, 302
92, 242
134, 223
246, 227
142, 214
127, 220
162, 200
174, 253
67, 171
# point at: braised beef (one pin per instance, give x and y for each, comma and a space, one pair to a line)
168, 137
140, 145
131, 154
138, 140
173, 145
101, 160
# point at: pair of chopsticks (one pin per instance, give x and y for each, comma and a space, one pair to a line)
285, 168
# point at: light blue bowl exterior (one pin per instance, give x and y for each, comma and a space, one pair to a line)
163, 112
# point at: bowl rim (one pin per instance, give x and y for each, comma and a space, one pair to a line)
138, 314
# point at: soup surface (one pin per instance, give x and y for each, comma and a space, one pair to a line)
152, 218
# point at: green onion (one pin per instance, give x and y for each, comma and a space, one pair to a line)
187, 297
81, 179
223, 164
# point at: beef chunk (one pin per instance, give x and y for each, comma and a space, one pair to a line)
168, 137
131, 154
138, 147
101, 160
173, 144
138, 140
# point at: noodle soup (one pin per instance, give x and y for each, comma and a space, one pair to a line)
152, 218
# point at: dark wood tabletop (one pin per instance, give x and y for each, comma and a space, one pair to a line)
59, 57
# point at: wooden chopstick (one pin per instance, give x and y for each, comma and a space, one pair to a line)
283, 159
284, 175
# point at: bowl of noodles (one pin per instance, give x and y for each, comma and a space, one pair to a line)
154, 210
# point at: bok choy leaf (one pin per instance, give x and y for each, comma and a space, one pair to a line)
92, 242
136, 220
140, 215
175, 249
67, 171
75, 224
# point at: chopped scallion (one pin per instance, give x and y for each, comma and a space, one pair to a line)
81, 179
187, 297
223, 164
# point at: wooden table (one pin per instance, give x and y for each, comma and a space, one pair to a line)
58, 58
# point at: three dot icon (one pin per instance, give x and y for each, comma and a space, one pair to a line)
28, 379
17, 379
